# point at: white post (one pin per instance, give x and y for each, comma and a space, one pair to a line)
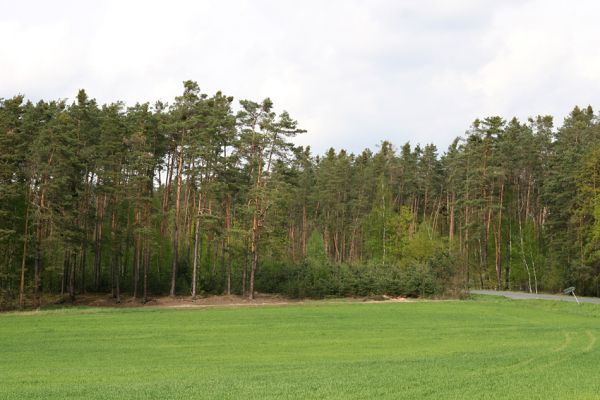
576, 299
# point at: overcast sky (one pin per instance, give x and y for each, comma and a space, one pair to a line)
352, 73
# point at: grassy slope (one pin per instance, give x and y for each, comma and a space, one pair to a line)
481, 349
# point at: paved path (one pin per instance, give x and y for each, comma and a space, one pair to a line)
529, 296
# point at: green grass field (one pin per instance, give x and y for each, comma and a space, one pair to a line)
477, 349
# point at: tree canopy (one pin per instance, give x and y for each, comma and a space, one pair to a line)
207, 195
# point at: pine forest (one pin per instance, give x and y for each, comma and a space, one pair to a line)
209, 195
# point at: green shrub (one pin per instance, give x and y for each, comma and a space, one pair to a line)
318, 279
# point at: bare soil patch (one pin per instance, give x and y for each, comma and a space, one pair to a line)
92, 300
261, 299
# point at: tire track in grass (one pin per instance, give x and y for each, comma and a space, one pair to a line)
519, 365
563, 358
592, 342
566, 343
525, 365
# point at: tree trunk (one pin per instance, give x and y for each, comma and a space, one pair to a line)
176, 225
24, 258
137, 252
304, 229
72, 263
37, 266
100, 206
508, 263
226, 244
119, 260
254, 251
451, 227
245, 269
197, 235
114, 270
82, 264
166, 194
498, 241
523, 257
483, 241
195, 263
146, 268
63, 283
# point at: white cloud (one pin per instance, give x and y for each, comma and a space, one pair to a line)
545, 59
352, 72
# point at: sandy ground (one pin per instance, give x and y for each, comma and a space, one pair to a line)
93, 300
96, 300
106, 300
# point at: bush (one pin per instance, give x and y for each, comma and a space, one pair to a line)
8, 299
319, 279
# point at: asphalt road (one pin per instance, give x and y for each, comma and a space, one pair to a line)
529, 296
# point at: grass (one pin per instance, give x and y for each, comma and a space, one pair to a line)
474, 349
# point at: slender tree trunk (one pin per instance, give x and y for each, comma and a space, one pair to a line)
337, 247
187, 220
82, 263
304, 229
467, 249
254, 252
119, 259
483, 241
326, 241
137, 252
63, 284
137, 265
481, 270
166, 194
196, 245
508, 263
84, 244
245, 269
147, 232
72, 263
100, 206
226, 244
195, 266
228, 274
215, 255
24, 258
497, 254
435, 216
451, 227
37, 266
498, 241
114, 270
523, 254
535, 281
383, 219
255, 228
146, 268
176, 225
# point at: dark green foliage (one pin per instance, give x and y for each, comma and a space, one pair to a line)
197, 198
434, 276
